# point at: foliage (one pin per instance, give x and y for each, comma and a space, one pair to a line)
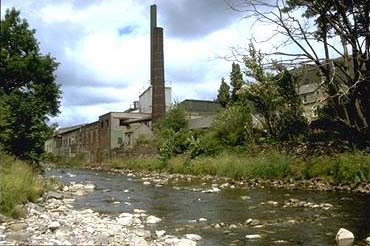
274, 98
19, 184
331, 37
173, 133
236, 81
232, 126
223, 96
28, 92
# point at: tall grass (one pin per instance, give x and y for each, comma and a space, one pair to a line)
18, 183
269, 164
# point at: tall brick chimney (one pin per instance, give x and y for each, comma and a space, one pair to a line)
156, 67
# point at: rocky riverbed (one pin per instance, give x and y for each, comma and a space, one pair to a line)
316, 184
55, 222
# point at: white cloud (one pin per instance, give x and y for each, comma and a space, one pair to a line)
104, 71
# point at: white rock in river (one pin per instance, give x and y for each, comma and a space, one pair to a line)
193, 237
146, 183
253, 236
160, 233
126, 221
344, 237
185, 242
152, 219
202, 220
368, 240
54, 225
89, 187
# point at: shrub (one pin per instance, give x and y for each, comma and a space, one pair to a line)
19, 184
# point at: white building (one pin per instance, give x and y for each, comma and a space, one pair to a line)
145, 100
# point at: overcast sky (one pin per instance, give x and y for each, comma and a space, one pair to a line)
103, 49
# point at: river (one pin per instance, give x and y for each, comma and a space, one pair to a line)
273, 213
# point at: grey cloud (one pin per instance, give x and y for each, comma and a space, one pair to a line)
194, 18
85, 96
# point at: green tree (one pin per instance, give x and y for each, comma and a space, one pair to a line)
333, 37
233, 125
223, 96
236, 81
173, 132
274, 98
262, 91
28, 91
291, 124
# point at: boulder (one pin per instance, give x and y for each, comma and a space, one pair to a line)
3, 219
55, 195
185, 242
193, 237
18, 226
344, 237
152, 219
253, 236
367, 240
54, 225
160, 233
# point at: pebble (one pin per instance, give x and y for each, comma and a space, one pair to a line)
193, 237
58, 223
152, 219
54, 225
202, 219
253, 236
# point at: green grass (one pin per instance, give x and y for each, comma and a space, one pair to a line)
19, 184
269, 164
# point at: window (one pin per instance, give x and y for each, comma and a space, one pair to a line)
101, 124
119, 140
121, 122
107, 123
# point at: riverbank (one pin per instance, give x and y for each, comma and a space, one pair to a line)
55, 222
342, 172
19, 184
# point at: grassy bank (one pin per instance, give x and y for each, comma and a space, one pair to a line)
19, 184
343, 168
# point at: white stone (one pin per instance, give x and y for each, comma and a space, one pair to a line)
125, 221
202, 219
344, 237
54, 225
126, 215
185, 242
89, 187
90, 229
368, 240
245, 197
272, 203
139, 211
160, 233
152, 219
193, 237
253, 236
146, 183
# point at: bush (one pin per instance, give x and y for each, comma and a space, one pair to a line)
19, 184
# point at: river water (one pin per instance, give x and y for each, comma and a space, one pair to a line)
182, 204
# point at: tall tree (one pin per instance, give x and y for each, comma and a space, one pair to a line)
333, 37
28, 91
223, 96
236, 80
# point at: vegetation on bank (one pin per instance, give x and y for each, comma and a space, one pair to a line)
341, 169
19, 183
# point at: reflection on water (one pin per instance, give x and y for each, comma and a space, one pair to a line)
181, 208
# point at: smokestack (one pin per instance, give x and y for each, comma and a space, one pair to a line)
156, 66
